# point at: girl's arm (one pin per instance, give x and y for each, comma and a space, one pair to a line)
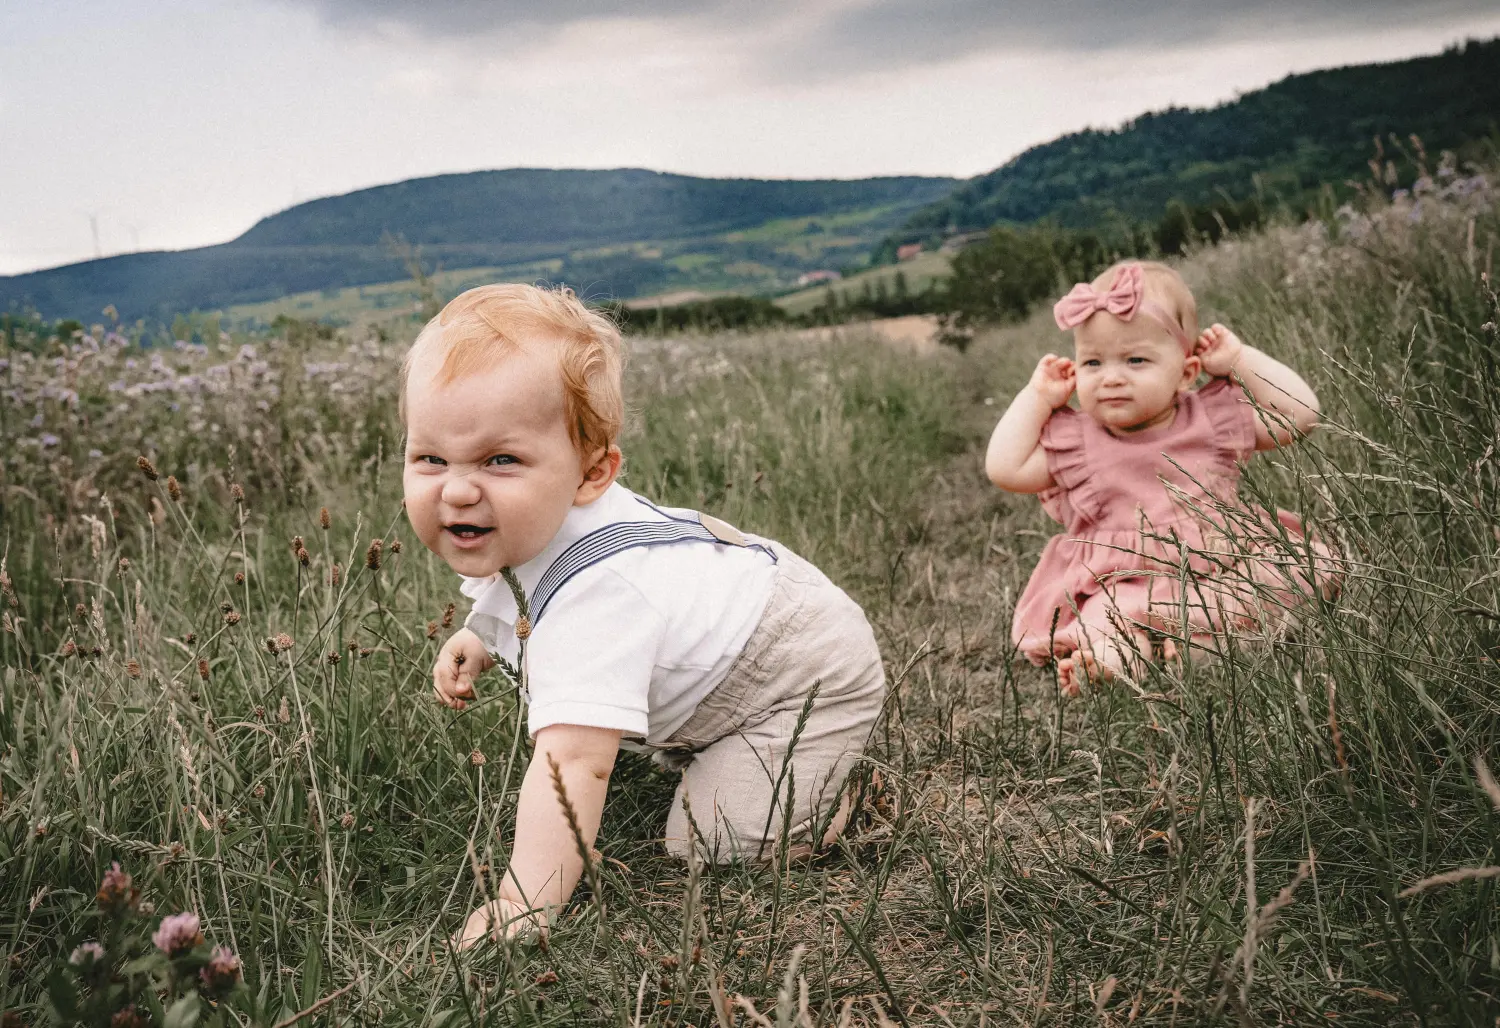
1015, 460
545, 862
1290, 402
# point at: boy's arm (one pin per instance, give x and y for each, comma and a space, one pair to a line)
545, 863
1291, 404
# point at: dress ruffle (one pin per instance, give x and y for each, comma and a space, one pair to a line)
1071, 497
1233, 420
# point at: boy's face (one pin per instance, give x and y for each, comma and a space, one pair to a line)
490, 469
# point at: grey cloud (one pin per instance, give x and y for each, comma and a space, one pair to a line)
457, 18
899, 32
823, 38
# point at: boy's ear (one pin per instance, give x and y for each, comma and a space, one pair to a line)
1190, 369
598, 476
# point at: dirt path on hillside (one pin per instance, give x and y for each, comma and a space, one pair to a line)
916, 333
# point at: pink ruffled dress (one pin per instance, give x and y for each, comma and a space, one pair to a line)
1137, 509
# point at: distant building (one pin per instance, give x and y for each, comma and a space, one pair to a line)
812, 278
907, 252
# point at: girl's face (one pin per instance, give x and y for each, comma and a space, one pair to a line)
1130, 373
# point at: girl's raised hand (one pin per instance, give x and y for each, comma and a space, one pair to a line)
1219, 349
1053, 380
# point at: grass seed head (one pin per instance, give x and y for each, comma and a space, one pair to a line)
432, 629
147, 468
334, 656
334, 574
231, 617
346, 821
284, 713
237, 492
132, 669
174, 490
372, 555
239, 578
124, 565
203, 669
523, 627
68, 649
283, 642
448, 613
477, 758
79, 610
395, 546
325, 520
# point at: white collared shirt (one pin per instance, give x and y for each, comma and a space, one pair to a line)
633, 642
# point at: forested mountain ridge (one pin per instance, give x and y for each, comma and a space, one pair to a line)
1292, 136
618, 232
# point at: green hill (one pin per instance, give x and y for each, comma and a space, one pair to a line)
618, 233
1287, 140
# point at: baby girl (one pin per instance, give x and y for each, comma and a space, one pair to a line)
1144, 477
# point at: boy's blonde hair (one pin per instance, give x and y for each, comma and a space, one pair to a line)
481, 326
1165, 287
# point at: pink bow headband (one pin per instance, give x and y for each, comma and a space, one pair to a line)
1125, 298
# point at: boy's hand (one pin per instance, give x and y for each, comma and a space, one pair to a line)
1053, 380
462, 658
1219, 349
499, 919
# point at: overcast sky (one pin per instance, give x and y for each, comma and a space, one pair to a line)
167, 123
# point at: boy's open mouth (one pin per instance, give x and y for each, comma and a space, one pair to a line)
467, 532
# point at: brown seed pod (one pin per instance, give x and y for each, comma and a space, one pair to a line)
147, 468
232, 617
133, 669
523, 627
448, 612
203, 669
325, 520
174, 490
372, 555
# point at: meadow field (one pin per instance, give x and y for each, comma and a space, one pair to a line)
217, 673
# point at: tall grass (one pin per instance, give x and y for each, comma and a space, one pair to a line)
1258, 839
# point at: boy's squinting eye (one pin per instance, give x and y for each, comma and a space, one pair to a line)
501, 459
1092, 362
1137, 360
434, 461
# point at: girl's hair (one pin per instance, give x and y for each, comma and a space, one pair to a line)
480, 327
1165, 287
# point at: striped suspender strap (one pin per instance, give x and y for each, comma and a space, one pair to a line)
603, 543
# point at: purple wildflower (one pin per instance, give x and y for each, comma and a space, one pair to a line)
221, 974
48, 439
88, 953
178, 934
116, 892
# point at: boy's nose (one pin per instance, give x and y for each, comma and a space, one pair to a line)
458, 491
